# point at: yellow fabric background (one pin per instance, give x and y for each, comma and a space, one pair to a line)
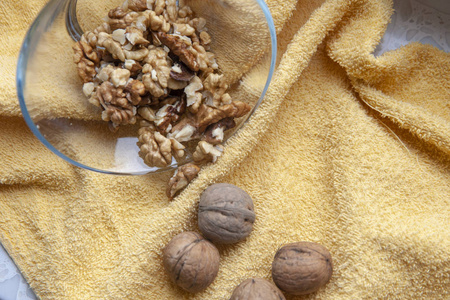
347, 149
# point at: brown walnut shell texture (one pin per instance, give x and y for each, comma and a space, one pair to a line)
302, 268
226, 214
191, 261
257, 289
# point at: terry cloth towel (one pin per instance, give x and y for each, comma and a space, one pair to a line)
347, 149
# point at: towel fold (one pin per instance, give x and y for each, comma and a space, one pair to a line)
347, 149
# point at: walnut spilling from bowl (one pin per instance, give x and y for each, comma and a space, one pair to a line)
150, 64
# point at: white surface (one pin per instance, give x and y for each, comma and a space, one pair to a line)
12, 284
426, 21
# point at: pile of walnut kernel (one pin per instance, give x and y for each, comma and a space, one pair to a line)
150, 64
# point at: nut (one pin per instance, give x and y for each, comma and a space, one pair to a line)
105, 71
257, 289
180, 49
137, 5
193, 97
119, 19
155, 149
183, 175
205, 152
88, 89
191, 261
215, 88
134, 89
302, 268
136, 36
105, 40
147, 113
133, 66
137, 55
171, 8
209, 115
119, 36
119, 77
205, 38
86, 59
214, 133
116, 107
183, 29
181, 72
159, 6
225, 213
169, 114
183, 131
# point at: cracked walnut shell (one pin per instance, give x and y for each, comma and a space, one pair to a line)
301, 268
191, 261
225, 213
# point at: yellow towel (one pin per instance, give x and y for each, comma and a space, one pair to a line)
347, 149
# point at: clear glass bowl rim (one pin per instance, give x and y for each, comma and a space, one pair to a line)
50, 11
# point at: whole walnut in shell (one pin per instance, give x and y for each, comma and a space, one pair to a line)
302, 268
257, 289
225, 213
191, 261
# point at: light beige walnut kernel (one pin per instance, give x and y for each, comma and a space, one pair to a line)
136, 36
180, 49
133, 66
104, 74
208, 115
89, 88
193, 96
169, 114
172, 10
137, 5
215, 88
105, 40
119, 77
205, 152
155, 149
182, 177
86, 59
135, 89
147, 113
119, 36
185, 12
119, 19
117, 108
205, 38
177, 149
136, 55
183, 29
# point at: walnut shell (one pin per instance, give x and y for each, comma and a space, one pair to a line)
191, 261
256, 289
301, 268
225, 213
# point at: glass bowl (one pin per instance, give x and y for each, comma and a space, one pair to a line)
50, 91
